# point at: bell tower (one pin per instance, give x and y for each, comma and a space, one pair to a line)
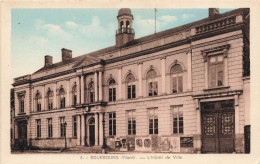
125, 33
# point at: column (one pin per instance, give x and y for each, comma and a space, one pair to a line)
82, 130
96, 129
78, 129
198, 124
82, 89
78, 90
119, 83
95, 86
163, 75
101, 129
189, 86
206, 70
43, 98
28, 131
55, 96
236, 114
68, 93
140, 80
32, 100
100, 86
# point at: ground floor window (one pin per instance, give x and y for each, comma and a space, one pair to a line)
131, 122
74, 119
153, 120
49, 120
177, 115
112, 123
38, 128
62, 126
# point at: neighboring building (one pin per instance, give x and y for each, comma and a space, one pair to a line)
185, 89
12, 117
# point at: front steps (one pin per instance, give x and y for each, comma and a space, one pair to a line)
85, 149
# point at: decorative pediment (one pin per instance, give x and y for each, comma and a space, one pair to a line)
88, 60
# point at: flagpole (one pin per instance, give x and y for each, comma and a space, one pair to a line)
155, 20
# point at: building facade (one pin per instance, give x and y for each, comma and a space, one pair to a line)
186, 90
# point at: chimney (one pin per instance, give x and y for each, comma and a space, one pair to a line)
213, 12
48, 60
66, 54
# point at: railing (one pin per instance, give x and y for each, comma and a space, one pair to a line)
215, 25
125, 30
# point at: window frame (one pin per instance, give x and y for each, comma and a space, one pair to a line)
62, 98
215, 65
74, 95
177, 112
91, 92
152, 80
38, 128
62, 127
112, 124
21, 104
111, 90
74, 126
131, 116
38, 100
177, 75
50, 99
155, 121
49, 128
130, 86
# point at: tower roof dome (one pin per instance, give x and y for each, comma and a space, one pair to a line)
124, 11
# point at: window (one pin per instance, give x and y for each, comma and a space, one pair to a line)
62, 97
74, 119
91, 92
62, 127
131, 122
21, 104
216, 69
176, 78
152, 83
177, 115
112, 90
38, 99
38, 128
50, 99
112, 123
74, 95
153, 121
49, 121
130, 86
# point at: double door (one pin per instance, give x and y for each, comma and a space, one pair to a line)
218, 124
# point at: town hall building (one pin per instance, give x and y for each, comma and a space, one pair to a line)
182, 90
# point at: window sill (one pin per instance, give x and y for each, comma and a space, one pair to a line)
216, 88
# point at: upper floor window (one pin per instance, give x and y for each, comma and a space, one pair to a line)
153, 120
215, 64
130, 83
74, 95
216, 70
131, 122
21, 103
112, 89
38, 99
177, 115
152, 82
176, 78
62, 99
91, 91
50, 99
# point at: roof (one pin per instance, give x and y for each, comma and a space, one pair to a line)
145, 38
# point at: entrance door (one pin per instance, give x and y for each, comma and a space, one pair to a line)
218, 127
22, 134
91, 131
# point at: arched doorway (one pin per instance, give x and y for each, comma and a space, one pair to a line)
91, 124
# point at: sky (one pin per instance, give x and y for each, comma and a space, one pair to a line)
39, 32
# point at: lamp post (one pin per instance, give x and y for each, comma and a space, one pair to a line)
65, 126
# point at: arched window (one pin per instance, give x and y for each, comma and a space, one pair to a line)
121, 24
62, 98
91, 92
74, 95
38, 99
112, 89
50, 99
127, 26
130, 79
176, 78
152, 83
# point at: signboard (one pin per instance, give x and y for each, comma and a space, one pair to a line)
186, 141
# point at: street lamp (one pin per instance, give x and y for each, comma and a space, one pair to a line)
65, 125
